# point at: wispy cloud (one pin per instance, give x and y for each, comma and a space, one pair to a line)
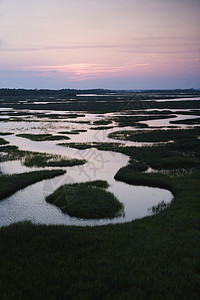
142, 65
61, 47
137, 45
84, 71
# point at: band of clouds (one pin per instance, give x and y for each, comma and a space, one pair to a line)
142, 45
83, 71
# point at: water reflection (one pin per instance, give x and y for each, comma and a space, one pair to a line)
30, 204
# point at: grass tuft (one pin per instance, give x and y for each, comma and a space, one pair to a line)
87, 200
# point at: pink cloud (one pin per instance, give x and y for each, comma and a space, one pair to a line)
85, 71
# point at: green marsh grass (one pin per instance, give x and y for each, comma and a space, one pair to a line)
101, 127
42, 137
155, 135
75, 131
87, 200
124, 121
102, 122
3, 142
37, 159
9, 184
156, 257
99, 146
6, 133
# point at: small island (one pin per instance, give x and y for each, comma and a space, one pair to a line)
88, 200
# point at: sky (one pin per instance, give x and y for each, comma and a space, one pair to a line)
112, 44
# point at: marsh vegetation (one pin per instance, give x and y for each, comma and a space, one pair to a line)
155, 135
156, 257
88, 200
37, 159
3, 142
9, 184
42, 137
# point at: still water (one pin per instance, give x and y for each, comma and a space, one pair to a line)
30, 204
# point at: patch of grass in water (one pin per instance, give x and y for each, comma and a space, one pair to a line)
130, 176
42, 137
102, 122
79, 146
101, 128
163, 157
59, 116
46, 160
9, 184
76, 131
99, 146
3, 142
6, 133
87, 200
154, 135
183, 153
37, 159
124, 121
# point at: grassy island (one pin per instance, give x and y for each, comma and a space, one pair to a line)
42, 137
87, 200
37, 159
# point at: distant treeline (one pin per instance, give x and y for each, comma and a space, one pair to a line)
48, 92
73, 92
168, 92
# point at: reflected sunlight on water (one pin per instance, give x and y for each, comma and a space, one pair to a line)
30, 204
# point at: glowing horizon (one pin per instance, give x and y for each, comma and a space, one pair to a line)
117, 44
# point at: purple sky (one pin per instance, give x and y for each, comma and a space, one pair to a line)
117, 44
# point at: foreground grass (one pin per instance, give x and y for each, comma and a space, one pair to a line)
87, 200
9, 184
153, 258
156, 257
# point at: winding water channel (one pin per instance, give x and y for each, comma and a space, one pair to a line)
30, 204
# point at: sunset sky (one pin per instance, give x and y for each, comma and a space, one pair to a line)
117, 44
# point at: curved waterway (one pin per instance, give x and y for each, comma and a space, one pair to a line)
30, 204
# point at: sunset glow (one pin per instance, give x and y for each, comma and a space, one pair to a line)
119, 44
